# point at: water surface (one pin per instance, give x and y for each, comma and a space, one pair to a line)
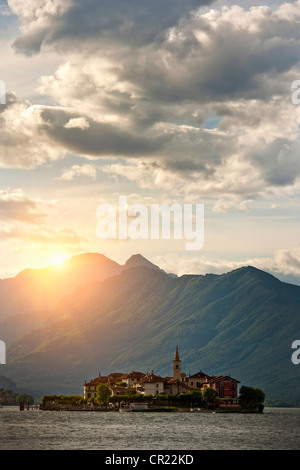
275, 429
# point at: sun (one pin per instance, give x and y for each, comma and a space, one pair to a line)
58, 259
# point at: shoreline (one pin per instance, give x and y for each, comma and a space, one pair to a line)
155, 410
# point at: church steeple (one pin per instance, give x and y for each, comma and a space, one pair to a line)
176, 358
177, 366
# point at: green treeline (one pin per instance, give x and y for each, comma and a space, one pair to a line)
10, 398
249, 397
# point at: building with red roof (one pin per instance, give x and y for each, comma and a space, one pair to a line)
132, 378
151, 384
196, 381
226, 386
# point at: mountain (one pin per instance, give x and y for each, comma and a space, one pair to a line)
7, 384
40, 289
139, 260
240, 323
28, 299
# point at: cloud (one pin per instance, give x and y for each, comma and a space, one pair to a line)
235, 179
96, 140
34, 134
221, 55
45, 236
148, 92
77, 123
279, 161
30, 221
285, 263
179, 78
72, 23
224, 205
52, 236
15, 205
86, 170
24, 143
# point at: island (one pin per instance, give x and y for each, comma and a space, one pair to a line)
146, 392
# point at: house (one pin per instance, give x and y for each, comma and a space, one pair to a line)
226, 386
196, 381
117, 390
116, 377
6, 399
90, 388
174, 387
151, 384
132, 378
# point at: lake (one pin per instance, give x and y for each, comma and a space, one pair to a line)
275, 429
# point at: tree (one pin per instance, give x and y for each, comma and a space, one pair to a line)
103, 394
251, 396
196, 396
184, 398
121, 384
209, 395
13, 398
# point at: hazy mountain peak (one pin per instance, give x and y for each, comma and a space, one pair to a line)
139, 260
256, 272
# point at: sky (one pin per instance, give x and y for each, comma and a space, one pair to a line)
164, 102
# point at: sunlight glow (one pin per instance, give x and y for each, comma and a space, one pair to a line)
58, 259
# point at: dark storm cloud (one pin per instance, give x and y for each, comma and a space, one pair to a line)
98, 138
202, 150
279, 161
149, 78
209, 61
137, 22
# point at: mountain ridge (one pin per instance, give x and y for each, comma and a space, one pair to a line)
31, 295
241, 323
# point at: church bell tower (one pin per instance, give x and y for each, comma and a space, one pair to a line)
177, 366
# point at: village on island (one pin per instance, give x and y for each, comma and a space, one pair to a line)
138, 391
